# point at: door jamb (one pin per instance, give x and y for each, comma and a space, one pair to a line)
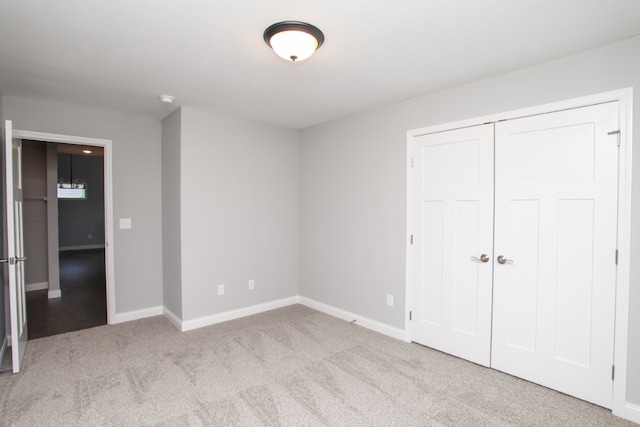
625, 99
106, 144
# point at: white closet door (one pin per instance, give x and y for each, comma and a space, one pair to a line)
555, 223
453, 223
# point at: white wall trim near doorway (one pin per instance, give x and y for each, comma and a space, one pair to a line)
80, 248
40, 286
56, 293
632, 413
3, 347
625, 98
106, 144
137, 314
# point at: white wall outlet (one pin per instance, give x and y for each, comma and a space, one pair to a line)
125, 223
220, 289
252, 284
390, 300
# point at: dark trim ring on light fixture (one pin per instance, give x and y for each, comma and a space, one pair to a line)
279, 27
290, 51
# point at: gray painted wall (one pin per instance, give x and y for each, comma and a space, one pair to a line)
136, 187
239, 212
34, 184
81, 222
353, 182
171, 229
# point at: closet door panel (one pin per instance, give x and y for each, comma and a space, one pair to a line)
522, 297
453, 223
555, 225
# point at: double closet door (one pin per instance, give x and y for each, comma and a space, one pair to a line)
514, 251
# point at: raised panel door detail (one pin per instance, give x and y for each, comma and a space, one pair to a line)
566, 164
466, 284
529, 158
456, 161
574, 289
521, 283
431, 279
453, 212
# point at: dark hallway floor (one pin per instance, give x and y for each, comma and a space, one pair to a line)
83, 303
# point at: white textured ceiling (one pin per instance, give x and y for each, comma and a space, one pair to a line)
209, 54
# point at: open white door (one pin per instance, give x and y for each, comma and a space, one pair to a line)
15, 245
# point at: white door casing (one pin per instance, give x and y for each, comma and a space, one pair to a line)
453, 241
106, 144
556, 219
15, 244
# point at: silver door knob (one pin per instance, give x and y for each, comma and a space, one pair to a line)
483, 258
503, 260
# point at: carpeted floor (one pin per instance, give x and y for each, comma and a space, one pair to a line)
293, 367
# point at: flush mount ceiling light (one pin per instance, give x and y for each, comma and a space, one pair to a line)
293, 40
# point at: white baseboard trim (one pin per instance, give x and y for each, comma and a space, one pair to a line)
56, 293
632, 413
201, 322
138, 314
80, 247
170, 315
374, 325
36, 286
3, 348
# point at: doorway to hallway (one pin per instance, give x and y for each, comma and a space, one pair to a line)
64, 231
16, 136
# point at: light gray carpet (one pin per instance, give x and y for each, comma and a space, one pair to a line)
293, 366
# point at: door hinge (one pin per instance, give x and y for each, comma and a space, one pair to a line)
613, 372
616, 257
617, 133
411, 239
412, 162
410, 314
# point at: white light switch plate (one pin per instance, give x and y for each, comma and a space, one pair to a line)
125, 223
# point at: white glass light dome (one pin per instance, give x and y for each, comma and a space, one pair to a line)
293, 40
